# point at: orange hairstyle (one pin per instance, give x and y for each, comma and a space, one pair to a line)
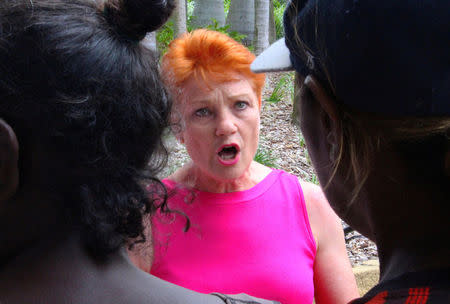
208, 56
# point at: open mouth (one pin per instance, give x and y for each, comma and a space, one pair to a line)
228, 153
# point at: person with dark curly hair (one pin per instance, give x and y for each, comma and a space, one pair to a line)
82, 111
374, 106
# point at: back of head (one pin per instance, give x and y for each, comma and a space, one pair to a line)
207, 56
384, 66
370, 56
76, 85
371, 53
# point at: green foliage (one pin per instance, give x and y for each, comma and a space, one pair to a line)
314, 179
190, 7
164, 36
291, 85
265, 158
225, 30
278, 91
226, 4
308, 159
278, 10
302, 142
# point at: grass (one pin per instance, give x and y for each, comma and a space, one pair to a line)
302, 141
278, 10
265, 157
279, 89
314, 179
308, 159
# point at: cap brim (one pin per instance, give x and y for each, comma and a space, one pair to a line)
273, 59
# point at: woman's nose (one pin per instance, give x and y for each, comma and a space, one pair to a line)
226, 124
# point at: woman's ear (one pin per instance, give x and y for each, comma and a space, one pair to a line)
9, 161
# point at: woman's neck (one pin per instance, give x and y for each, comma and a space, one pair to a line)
192, 176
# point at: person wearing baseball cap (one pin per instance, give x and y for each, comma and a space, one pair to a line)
375, 113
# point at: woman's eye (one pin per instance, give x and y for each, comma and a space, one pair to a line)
202, 112
240, 105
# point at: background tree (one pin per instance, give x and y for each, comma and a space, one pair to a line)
206, 10
262, 17
272, 29
179, 18
241, 18
240, 23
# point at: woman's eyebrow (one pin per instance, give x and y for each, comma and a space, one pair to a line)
236, 96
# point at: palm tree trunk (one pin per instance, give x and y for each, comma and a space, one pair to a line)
179, 18
261, 25
206, 10
241, 18
272, 29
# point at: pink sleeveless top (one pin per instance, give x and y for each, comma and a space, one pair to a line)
257, 241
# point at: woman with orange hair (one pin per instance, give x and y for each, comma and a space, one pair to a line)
253, 229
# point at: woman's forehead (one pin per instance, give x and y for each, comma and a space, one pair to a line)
197, 90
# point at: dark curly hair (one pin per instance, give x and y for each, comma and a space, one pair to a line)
75, 78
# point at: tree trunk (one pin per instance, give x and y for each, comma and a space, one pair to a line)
206, 10
241, 18
272, 28
261, 25
179, 18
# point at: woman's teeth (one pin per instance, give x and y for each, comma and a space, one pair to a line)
228, 153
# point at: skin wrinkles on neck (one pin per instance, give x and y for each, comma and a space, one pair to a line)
250, 178
193, 177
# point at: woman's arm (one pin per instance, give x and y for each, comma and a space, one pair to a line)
334, 281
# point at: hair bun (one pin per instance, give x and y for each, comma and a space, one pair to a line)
134, 18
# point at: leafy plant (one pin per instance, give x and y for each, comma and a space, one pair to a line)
314, 179
225, 30
265, 158
302, 142
308, 159
190, 7
226, 4
278, 10
164, 36
278, 90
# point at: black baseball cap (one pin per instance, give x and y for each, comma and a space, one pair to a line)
379, 56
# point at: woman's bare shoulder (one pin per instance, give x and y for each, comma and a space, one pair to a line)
319, 211
314, 194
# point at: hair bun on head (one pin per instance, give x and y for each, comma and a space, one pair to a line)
132, 19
